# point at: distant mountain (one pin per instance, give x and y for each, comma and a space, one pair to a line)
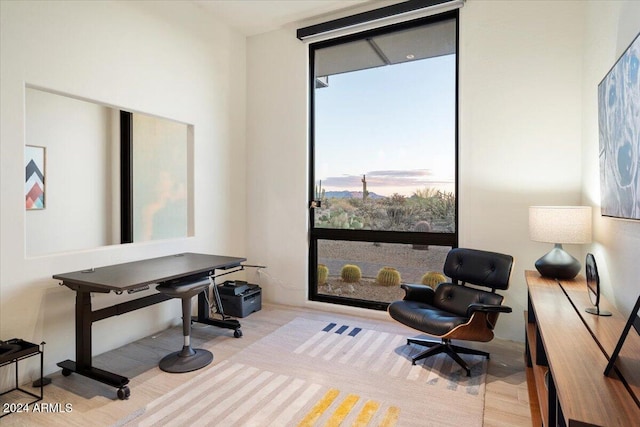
350, 195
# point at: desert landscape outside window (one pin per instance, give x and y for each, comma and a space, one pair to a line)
383, 160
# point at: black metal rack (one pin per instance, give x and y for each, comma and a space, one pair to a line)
15, 350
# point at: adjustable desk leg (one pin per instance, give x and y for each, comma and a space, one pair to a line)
203, 307
83, 336
82, 365
83, 330
203, 316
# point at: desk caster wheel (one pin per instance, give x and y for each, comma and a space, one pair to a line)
237, 333
66, 372
124, 393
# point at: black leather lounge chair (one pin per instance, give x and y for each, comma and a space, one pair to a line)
456, 310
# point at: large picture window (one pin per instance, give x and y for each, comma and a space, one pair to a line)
383, 158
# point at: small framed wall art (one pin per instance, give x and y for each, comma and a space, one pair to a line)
34, 189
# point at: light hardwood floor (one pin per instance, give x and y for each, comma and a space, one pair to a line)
95, 404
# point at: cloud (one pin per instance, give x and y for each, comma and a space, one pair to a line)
386, 178
401, 173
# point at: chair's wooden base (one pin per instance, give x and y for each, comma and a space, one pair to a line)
445, 346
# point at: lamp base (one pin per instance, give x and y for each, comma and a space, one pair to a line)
558, 264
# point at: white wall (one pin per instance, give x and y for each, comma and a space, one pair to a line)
277, 164
78, 141
131, 55
520, 111
520, 136
611, 27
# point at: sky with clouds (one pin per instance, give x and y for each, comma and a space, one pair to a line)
394, 124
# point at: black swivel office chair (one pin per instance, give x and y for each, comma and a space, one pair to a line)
455, 310
188, 359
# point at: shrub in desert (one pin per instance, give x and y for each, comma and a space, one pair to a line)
350, 273
323, 273
422, 227
433, 279
388, 276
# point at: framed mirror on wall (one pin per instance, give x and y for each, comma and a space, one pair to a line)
113, 176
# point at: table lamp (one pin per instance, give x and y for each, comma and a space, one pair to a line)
558, 225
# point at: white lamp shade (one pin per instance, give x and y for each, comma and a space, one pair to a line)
560, 224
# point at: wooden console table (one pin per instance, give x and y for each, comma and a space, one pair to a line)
567, 350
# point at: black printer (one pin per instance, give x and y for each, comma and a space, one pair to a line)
239, 298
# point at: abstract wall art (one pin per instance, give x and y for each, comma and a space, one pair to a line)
34, 160
619, 135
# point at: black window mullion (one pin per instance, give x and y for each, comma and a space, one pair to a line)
409, 237
126, 177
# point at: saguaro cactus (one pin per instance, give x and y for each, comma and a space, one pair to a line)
365, 193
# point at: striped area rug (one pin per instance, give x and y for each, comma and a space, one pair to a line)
314, 373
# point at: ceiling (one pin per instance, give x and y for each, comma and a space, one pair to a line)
252, 17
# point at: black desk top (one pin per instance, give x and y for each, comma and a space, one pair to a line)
136, 274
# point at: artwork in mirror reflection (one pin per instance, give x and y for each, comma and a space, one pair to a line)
160, 179
84, 175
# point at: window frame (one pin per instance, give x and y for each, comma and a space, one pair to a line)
409, 237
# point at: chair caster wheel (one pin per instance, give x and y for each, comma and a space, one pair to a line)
66, 372
124, 393
237, 333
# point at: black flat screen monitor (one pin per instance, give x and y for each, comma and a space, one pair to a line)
593, 286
